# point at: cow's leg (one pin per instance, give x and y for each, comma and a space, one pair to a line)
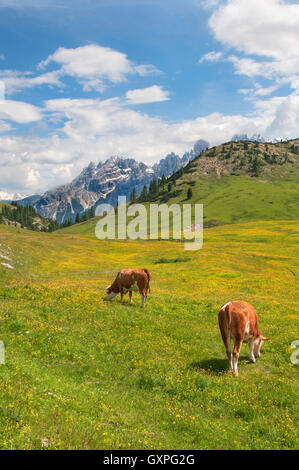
251, 350
229, 353
145, 295
130, 295
143, 298
225, 333
121, 295
236, 353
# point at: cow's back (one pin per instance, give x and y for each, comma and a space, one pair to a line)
128, 277
239, 317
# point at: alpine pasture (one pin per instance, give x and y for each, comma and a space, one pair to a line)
84, 373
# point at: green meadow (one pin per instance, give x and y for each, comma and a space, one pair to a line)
226, 200
84, 373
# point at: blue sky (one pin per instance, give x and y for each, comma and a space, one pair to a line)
141, 78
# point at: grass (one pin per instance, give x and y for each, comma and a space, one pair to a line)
235, 199
227, 200
84, 373
2, 204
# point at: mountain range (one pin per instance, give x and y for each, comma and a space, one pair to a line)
104, 182
5, 196
257, 138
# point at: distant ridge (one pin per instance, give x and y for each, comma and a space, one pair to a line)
104, 182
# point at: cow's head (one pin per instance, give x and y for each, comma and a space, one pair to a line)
258, 343
110, 293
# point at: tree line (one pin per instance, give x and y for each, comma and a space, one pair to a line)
88, 214
159, 186
27, 217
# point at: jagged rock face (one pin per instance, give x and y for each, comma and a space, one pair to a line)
95, 185
106, 181
168, 165
172, 162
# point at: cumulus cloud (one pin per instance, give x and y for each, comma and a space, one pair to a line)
151, 94
94, 129
211, 57
284, 113
4, 127
268, 30
95, 65
16, 81
19, 112
262, 35
258, 90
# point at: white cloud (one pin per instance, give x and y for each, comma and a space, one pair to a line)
211, 57
248, 66
16, 81
19, 112
210, 4
268, 29
93, 130
4, 127
258, 90
95, 65
151, 94
33, 177
284, 114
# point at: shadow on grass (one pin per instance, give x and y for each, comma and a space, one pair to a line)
126, 303
214, 366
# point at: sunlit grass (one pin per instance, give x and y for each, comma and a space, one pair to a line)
85, 373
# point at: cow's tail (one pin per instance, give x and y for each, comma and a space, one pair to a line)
149, 277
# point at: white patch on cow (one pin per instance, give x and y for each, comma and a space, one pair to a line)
257, 347
111, 296
224, 306
247, 336
251, 350
134, 287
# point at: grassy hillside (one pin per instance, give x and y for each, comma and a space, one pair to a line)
83, 228
84, 373
2, 204
25, 217
240, 182
223, 179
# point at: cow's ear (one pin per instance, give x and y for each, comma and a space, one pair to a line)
264, 338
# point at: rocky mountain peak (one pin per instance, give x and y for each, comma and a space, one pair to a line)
105, 181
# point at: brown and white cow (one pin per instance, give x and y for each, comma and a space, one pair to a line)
238, 322
129, 280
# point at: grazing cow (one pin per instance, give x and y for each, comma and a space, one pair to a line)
238, 322
129, 280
